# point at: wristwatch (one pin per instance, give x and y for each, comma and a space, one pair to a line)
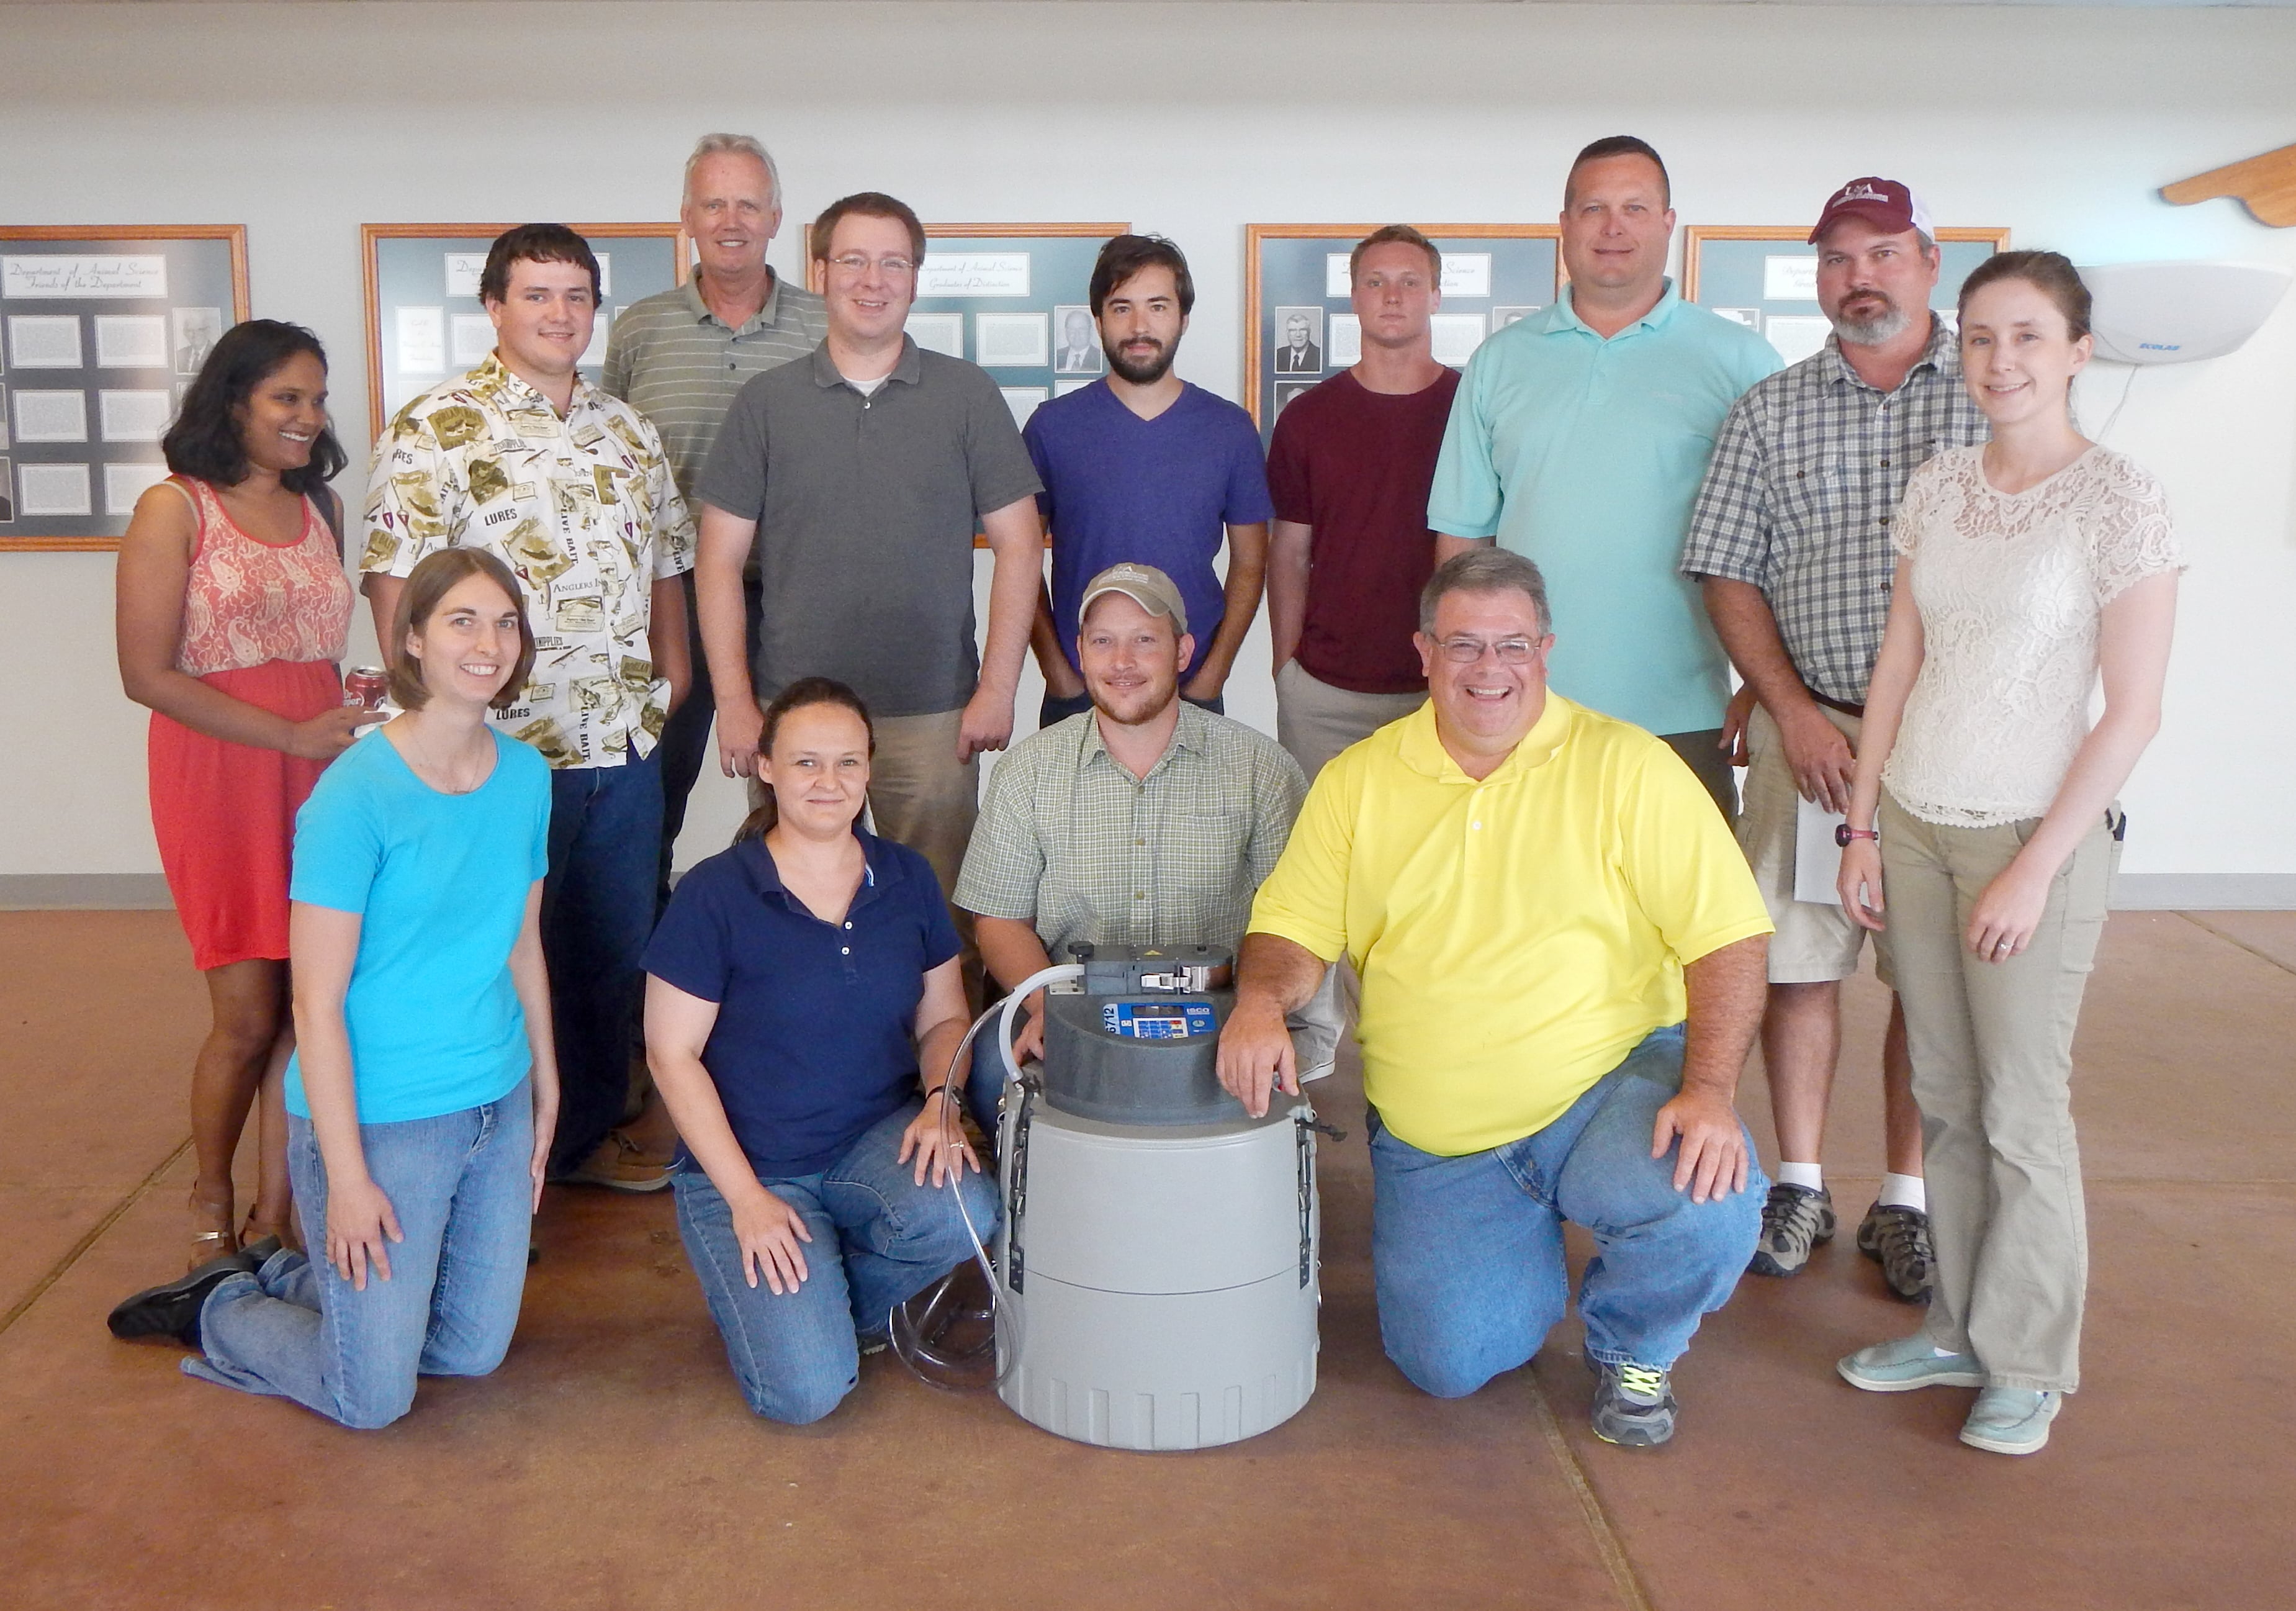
1843, 834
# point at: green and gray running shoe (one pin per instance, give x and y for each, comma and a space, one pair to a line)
1634, 1404
1898, 1239
1795, 1220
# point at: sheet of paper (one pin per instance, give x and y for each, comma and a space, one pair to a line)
1023, 401
1797, 335
1466, 274
1062, 387
80, 278
1012, 340
1337, 283
54, 490
472, 338
4, 426
1456, 335
51, 417
123, 484
43, 341
1817, 859
974, 274
1347, 340
1789, 277
941, 333
135, 417
130, 342
463, 271
1750, 317
594, 355
420, 340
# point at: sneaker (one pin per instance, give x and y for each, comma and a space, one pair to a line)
1905, 1363
619, 1165
172, 1308
1898, 1239
1634, 1404
2011, 1420
1794, 1220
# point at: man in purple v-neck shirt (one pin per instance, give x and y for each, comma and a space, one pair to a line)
1142, 467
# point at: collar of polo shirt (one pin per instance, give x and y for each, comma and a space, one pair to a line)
1421, 747
910, 369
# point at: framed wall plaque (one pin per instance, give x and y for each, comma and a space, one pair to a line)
425, 321
1767, 278
101, 328
1299, 327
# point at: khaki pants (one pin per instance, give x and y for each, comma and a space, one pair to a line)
1315, 720
921, 797
1992, 1053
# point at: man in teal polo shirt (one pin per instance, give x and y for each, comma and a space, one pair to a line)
1579, 439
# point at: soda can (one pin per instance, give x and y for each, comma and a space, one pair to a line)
364, 685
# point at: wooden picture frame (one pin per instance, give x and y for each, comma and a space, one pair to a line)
1281, 262
128, 319
1718, 271
390, 386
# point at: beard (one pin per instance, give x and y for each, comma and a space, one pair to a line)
1886, 326
1130, 707
1141, 372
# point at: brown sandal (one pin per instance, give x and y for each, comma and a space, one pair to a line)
255, 1231
211, 1244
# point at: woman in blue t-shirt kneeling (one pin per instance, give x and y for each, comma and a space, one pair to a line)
799, 983
425, 1088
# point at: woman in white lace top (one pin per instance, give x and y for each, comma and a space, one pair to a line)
2029, 565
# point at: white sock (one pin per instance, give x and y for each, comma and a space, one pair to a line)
1904, 1191
1809, 1175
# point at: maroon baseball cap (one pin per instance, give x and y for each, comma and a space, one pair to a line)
1885, 203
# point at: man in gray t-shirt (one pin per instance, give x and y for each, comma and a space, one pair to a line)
859, 476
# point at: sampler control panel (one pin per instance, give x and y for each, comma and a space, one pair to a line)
1158, 1020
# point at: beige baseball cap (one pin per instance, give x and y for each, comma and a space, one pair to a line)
1143, 585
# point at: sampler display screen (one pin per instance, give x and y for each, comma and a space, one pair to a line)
1157, 1020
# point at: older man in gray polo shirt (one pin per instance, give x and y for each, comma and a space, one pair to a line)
680, 356
858, 478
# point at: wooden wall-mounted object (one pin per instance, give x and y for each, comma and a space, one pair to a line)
2266, 185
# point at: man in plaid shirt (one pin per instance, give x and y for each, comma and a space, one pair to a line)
1143, 821
1790, 541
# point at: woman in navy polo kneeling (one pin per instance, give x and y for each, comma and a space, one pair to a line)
802, 1005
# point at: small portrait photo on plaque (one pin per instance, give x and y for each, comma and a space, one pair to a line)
7, 493
197, 330
1286, 390
1078, 351
1501, 318
1299, 340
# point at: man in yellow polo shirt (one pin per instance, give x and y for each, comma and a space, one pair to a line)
1562, 957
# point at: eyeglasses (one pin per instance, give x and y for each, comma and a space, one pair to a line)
895, 268
1507, 650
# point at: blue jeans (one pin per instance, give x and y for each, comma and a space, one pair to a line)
597, 911
1055, 709
985, 1084
1467, 1252
460, 1186
879, 1238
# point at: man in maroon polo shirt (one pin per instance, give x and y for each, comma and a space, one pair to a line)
1349, 470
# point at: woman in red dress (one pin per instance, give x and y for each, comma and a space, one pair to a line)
232, 612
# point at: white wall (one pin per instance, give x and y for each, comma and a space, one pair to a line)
303, 121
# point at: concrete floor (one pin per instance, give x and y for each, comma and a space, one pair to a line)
610, 1463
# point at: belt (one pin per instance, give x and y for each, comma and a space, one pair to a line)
1843, 705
